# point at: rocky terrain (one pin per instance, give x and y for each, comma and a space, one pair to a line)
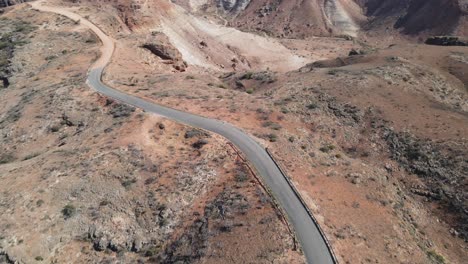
369, 122
87, 179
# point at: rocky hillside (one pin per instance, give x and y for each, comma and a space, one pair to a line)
415, 17
5, 3
295, 18
334, 17
302, 19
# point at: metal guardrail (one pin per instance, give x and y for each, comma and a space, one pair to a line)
293, 187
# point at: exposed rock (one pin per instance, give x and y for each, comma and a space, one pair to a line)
442, 168
447, 41
166, 52
161, 51
5, 3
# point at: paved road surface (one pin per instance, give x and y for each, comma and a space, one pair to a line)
312, 242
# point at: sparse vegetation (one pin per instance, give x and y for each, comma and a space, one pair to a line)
272, 137
31, 156
199, 143
68, 211
327, 148
121, 110
241, 176
312, 106
128, 183
152, 251
271, 125
436, 257
6, 158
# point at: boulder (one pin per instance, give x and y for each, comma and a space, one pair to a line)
447, 41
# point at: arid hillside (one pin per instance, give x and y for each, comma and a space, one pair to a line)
417, 17
85, 179
372, 129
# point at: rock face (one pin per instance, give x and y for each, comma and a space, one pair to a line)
296, 18
447, 41
414, 17
160, 46
5, 3
233, 6
161, 51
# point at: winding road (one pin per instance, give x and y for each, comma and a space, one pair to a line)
312, 240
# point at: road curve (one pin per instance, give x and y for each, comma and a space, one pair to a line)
313, 243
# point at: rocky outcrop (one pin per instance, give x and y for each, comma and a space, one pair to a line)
5, 3
232, 6
447, 41
441, 167
414, 17
161, 51
159, 45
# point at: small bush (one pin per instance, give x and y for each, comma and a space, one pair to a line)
194, 133
272, 125
152, 251
433, 255
128, 183
31, 156
247, 76
312, 106
199, 144
39, 258
50, 57
68, 211
327, 148
241, 176
272, 137
121, 110
249, 91
6, 158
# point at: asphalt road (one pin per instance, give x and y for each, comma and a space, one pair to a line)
312, 242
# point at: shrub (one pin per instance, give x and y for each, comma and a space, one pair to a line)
272, 137
194, 133
247, 76
312, 106
6, 158
39, 258
50, 57
327, 148
241, 176
31, 156
433, 255
68, 211
128, 183
272, 125
121, 110
152, 251
199, 144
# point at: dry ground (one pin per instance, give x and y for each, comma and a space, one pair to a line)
344, 130
375, 142
86, 179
